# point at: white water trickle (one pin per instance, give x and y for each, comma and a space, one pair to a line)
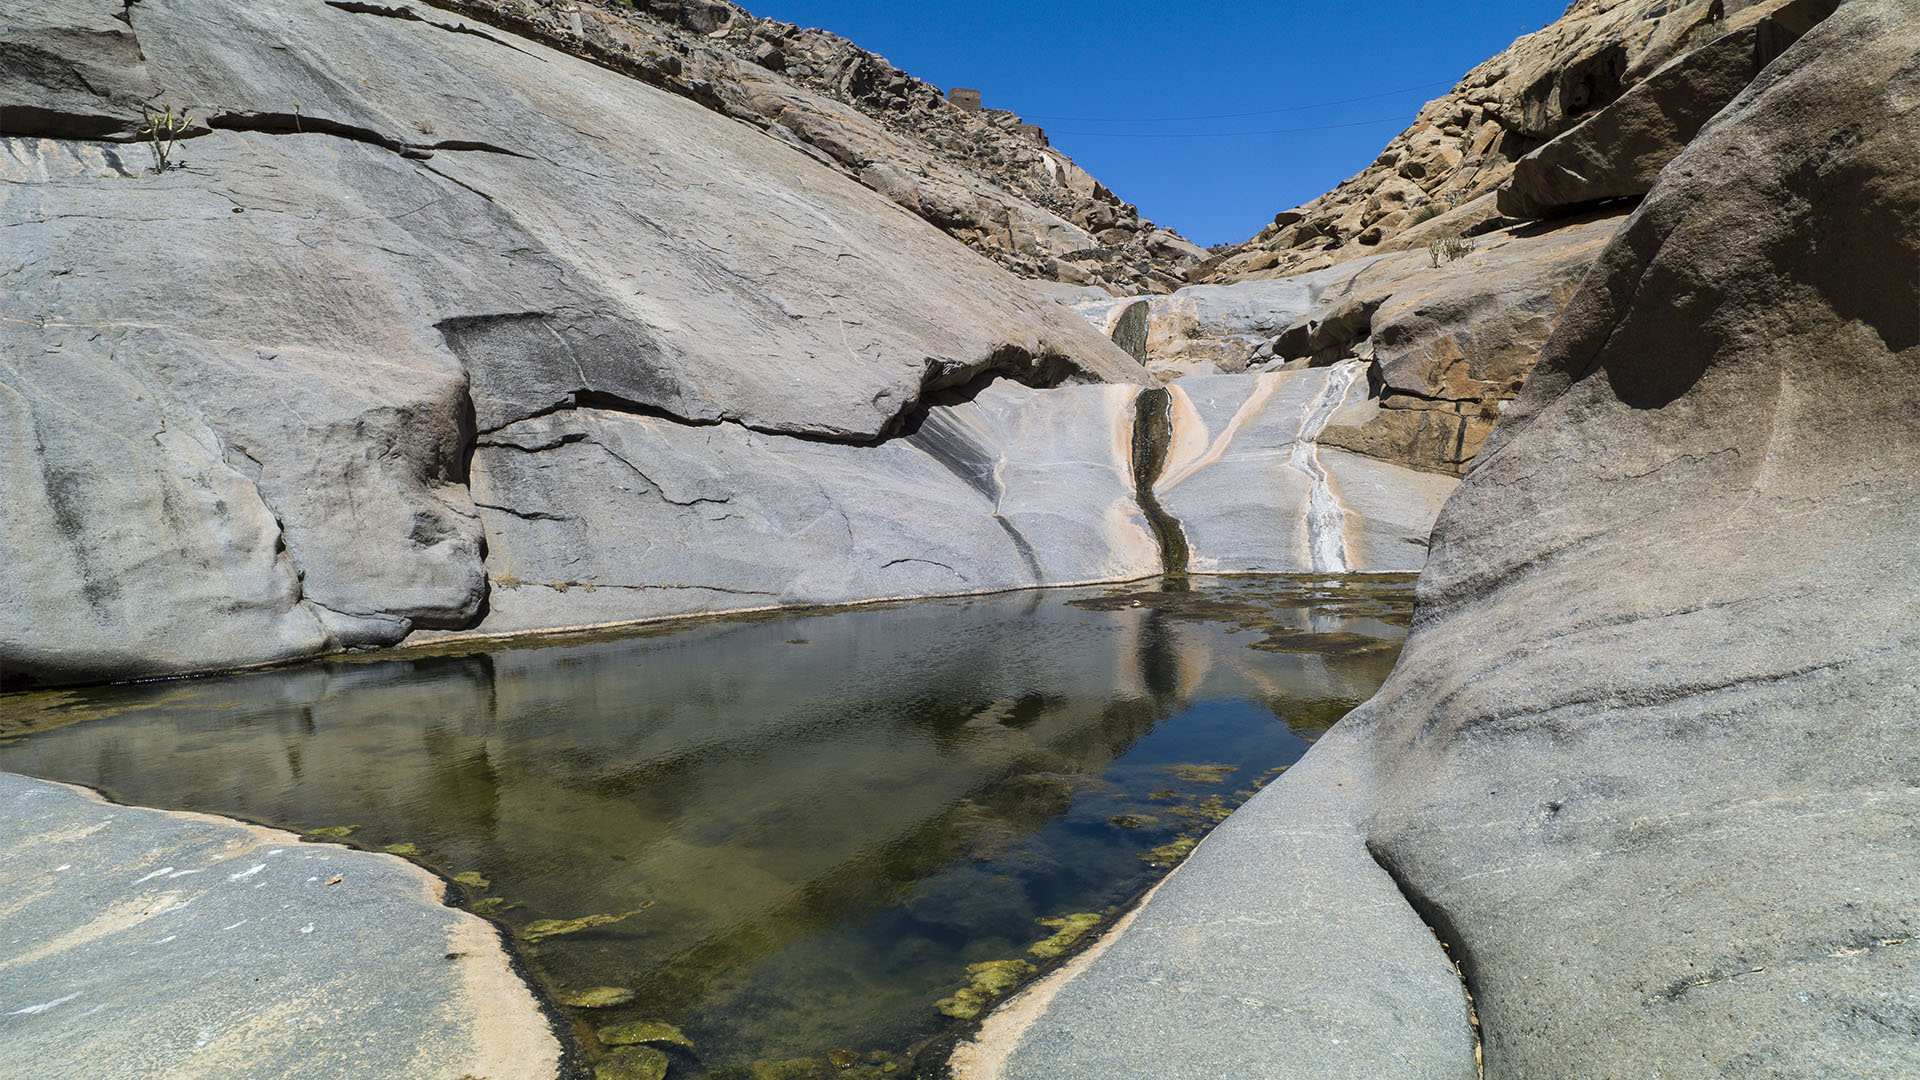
1326, 518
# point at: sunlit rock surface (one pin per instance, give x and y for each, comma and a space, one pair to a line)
1255, 492
1647, 764
597, 517
139, 943
240, 396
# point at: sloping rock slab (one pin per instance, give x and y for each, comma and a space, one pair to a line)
1254, 493
137, 943
1241, 965
596, 517
239, 395
1649, 754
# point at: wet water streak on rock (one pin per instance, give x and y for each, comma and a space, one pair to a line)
1152, 435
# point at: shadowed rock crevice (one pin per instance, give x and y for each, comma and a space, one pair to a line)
1152, 437
407, 14
1447, 935
279, 123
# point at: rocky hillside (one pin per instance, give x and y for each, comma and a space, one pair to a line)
1444, 176
975, 175
1643, 780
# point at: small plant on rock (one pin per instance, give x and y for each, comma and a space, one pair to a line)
163, 130
1449, 249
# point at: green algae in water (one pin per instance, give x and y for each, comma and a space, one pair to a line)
472, 879
595, 997
1071, 929
401, 849
833, 833
541, 929
991, 980
1202, 774
1166, 855
633, 1063
641, 1032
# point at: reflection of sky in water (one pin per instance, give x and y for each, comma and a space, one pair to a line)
833, 814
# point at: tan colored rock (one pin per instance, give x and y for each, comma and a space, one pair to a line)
1619, 151
1464, 146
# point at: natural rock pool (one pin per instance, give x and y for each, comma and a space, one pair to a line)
791, 835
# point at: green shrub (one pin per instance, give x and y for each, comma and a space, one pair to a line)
162, 130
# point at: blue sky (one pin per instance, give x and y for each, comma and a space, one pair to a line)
1177, 106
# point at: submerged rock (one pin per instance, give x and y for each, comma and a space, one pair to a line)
637, 1032
633, 1063
595, 997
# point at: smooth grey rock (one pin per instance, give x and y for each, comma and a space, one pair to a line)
1650, 749
1254, 493
243, 392
596, 517
69, 70
138, 943
1241, 965
1647, 761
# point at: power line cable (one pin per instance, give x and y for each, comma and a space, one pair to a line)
1236, 116
1224, 134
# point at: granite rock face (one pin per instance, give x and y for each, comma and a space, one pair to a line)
241, 395
596, 517
979, 175
1447, 342
199, 946
1647, 763
1618, 152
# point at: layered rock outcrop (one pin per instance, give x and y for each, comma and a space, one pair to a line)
1638, 77
1447, 341
1646, 765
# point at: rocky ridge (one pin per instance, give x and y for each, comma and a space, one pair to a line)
978, 176
1444, 176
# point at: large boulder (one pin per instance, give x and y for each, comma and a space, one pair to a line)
1647, 764
242, 394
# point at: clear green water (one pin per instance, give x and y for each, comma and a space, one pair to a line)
820, 819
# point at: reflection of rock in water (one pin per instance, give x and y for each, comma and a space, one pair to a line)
760, 780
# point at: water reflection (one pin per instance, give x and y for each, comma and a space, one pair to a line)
830, 815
